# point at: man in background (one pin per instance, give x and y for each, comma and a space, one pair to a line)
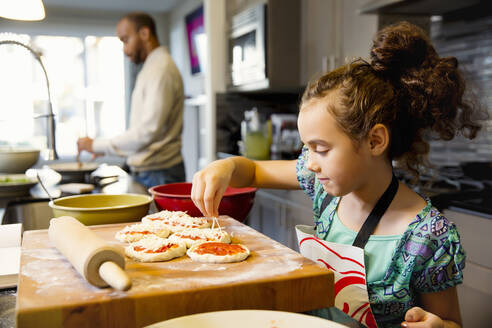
152, 143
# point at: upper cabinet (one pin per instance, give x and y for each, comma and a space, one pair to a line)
333, 33
429, 7
263, 43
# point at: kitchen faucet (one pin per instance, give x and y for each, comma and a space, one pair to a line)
51, 154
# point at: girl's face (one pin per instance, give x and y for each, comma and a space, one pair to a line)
333, 157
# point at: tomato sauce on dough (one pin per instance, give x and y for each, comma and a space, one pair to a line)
135, 232
159, 250
218, 249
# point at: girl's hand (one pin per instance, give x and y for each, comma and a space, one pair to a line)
419, 318
209, 186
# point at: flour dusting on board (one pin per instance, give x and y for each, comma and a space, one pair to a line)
221, 273
44, 254
51, 272
47, 261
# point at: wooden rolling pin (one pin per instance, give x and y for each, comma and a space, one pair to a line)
99, 263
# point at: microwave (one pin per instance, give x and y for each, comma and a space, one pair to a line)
264, 47
247, 47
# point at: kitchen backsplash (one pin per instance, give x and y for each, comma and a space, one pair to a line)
470, 41
230, 113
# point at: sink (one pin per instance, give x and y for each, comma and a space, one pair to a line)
34, 214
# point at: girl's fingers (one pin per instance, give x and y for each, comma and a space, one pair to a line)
209, 186
421, 324
197, 190
217, 199
208, 199
419, 318
415, 318
415, 314
193, 191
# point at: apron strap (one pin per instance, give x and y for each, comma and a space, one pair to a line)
325, 203
376, 214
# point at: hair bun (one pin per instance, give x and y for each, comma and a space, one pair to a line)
399, 47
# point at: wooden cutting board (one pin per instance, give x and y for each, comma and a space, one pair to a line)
52, 294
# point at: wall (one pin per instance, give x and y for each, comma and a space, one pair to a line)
193, 84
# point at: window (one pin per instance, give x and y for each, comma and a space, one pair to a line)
86, 78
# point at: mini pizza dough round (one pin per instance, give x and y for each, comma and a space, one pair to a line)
186, 223
154, 249
214, 252
135, 232
179, 222
165, 215
194, 236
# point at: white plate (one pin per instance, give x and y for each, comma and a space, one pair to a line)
73, 171
247, 319
74, 167
15, 187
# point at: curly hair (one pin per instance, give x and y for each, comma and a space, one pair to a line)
407, 87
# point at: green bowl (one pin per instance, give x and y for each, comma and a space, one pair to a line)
102, 208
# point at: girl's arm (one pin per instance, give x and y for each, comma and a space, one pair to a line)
210, 183
442, 310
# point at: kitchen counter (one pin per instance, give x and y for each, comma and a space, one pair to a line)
471, 202
37, 198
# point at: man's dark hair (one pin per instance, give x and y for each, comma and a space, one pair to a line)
141, 19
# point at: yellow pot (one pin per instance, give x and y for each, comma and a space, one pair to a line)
102, 208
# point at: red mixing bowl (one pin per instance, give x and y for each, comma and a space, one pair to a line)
236, 202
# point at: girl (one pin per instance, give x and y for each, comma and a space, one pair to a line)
355, 122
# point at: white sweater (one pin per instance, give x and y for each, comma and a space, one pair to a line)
153, 139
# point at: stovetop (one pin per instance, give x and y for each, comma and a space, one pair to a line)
467, 186
475, 201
